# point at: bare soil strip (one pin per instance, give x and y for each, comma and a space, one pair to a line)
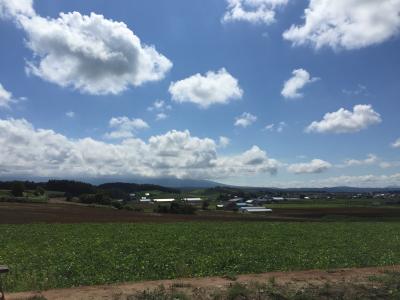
298, 278
25, 213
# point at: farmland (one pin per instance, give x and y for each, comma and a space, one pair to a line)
73, 234
26, 213
65, 255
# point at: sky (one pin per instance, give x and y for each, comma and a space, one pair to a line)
279, 93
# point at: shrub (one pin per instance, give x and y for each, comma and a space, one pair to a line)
237, 291
98, 198
40, 191
182, 208
205, 205
176, 208
18, 189
117, 204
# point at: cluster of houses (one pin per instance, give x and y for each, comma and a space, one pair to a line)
149, 200
246, 206
236, 203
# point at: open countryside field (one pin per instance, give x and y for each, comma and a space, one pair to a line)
26, 213
54, 243
45, 256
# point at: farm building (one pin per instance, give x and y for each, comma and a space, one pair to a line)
220, 206
251, 201
145, 200
165, 200
258, 201
193, 200
234, 205
254, 209
236, 200
277, 199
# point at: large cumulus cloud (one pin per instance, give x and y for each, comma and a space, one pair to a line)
345, 121
40, 152
347, 24
89, 53
205, 90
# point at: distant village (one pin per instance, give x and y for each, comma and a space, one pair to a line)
260, 204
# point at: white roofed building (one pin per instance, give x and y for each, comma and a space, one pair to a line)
164, 200
193, 199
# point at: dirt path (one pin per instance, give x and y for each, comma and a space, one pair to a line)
298, 278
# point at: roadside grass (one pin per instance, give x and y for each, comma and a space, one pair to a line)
382, 287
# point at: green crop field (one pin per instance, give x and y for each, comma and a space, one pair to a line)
335, 203
53, 256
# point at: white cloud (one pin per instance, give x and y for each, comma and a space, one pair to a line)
279, 127
347, 24
299, 79
360, 181
396, 144
70, 114
314, 166
389, 164
90, 53
252, 11
359, 90
245, 120
160, 107
223, 142
269, 127
6, 97
125, 127
16, 8
369, 180
344, 121
161, 116
205, 90
253, 161
370, 160
40, 152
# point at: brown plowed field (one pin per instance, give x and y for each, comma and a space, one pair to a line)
23, 213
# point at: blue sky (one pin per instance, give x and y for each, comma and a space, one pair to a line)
266, 72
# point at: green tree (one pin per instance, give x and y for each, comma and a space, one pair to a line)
40, 191
18, 189
205, 205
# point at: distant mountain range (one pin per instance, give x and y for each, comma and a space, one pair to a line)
344, 189
193, 183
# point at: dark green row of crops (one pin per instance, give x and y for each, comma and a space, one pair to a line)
53, 256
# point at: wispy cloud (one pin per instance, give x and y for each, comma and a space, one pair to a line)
123, 127
245, 120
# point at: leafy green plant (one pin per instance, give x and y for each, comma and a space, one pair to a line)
44, 256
